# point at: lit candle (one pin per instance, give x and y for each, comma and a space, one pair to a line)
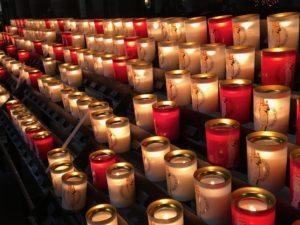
176, 29
74, 185
165, 211
294, 178
73, 97
154, 28
107, 65
271, 108
129, 64
99, 42
33, 75
29, 132
98, 26
212, 194
82, 104
278, 66
100, 160
252, 205
37, 45
120, 70
283, 30
57, 170
108, 44
220, 29
63, 71
235, 99
54, 90
96, 105
4, 96
78, 40
49, 66
168, 55
11, 50
67, 38
80, 57
74, 75
223, 142
98, 68
118, 134
118, 43
189, 57
15, 67
142, 76
121, 185
146, 49
73, 55
98, 121
178, 85
57, 155
196, 30
67, 54
131, 47
140, 27
43, 142
117, 26
153, 150
64, 97
108, 27
180, 166
89, 60
128, 29
58, 51
23, 56
102, 214
90, 41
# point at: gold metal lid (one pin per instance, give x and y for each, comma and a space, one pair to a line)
68, 178
204, 77
120, 58
61, 167
102, 155
145, 99
42, 135
105, 208
219, 17
25, 115
48, 59
117, 122
146, 40
110, 171
12, 102
54, 83
64, 65
189, 155
141, 65
107, 56
133, 61
33, 128
222, 122
102, 114
147, 143
29, 122
162, 105
235, 82
95, 104
272, 89
212, 46
119, 37
98, 54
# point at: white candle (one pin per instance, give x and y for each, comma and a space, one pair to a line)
154, 28
108, 43
189, 57
143, 110
90, 41
99, 42
98, 121
73, 97
118, 131
118, 43
142, 76
64, 97
128, 29
196, 30
89, 60
49, 66
117, 26
45, 49
212, 59
78, 40
74, 75
121, 186
129, 64
267, 159
176, 29
212, 194
54, 90
146, 49
168, 55
180, 167
107, 65
4, 96
154, 150
80, 57
102, 214
97, 105
178, 85
240, 62
57, 155
63, 71
45, 82
82, 104
98, 68
15, 67
204, 92
271, 108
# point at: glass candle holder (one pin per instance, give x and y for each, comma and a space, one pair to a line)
118, 131
99, 42
153, 150
98, 68
37, 45
240, 62
129, 64
117, 26
165, 211
146, 49
99, 26
189, 57
143, 110
45, 49
15, 67
100, 160
82, 104
98, 121
267, 159
54, 90
166, 117
58, 154
96, 105
67, 54
58, 51
33, 75
212, 194
283, 30
67, 38
57, 170
130, 44
178, 85
154, 28
176, 29
235, 99
140, 27
11, 50
220, 29
64, 97
168, 55
121, 185
142, 76
43, 142
102, 214
118, 43
80, 57
73, 55
44, 81
223, 142
74, 185
180, 166
90, 41
10, 104
196, 30
246, 30
29, 132
108, 44
252, 205
107, 65
278, 66
89, 60
78, 40
108, 27
4, 96
49, 66
21, 117
73, 97
63, 71
23, 56
120, 70
271, 108
294, 178
128, 29
15, 111
74, 76
26, 123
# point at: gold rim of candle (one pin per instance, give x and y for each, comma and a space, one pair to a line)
235, 82
102, 114
120, 58
155, 139
48, 59
117, 122
167, 44
84, 100
222, 122
102, 152
278, 50
41, 135
88, 53
17, 106
295, 154
212, 46
219, 17
153, 20
76, 95
98, 105
174, 73
165, 203
15, 62
29, 122
81, 51
279, 138
99, 54
272, 89
180, 153
18, 111
119, 37
12, 102
246, 17
73, 67
108, 36
191, 44
283, 15
141, 65
72, 49
33, 128
164, 105
131, 38
253, 192
66, 178
240, 48
145, 98
57, 153
146, 40
133, 61
54, 82
67, 90
101, 208
25, 115
214, 171
41, 78
21, 51
46, 80
107, 56
120, 165
33, 71
65, 163
64, 65
197, 19
204, 77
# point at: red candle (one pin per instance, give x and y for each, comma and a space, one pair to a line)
33, 76
37, 44
66, 38
58, 51
11, 50
223, 142
235, 99
220, 29
119, 64
43, 142
21, 31
99, 26
166, 117
99, 161
73, 55
251, 206
2, 44
9, 104
294, 178
298, 122
278, 66
30, 131
140, 27
47, 23
23, 56
130, 45
61, 24
3, 73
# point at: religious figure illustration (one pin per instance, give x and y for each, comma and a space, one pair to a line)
264, 110
199, 96
172, 182
260, 168
142, 52
172, 91
72, 196
112, 140
175, 33
227, 107
127, 190
279, 34
184, 60
202, 203
233, 67
239, 34
161, 59
206, 62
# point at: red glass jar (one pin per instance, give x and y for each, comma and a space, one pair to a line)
47, 23
130, 46
223, 142
99, 161
140, 27
220, 29
298, 122
251, 205
73, 55
21, 31
43, 142
61, 24
66, 38
37, 44
33, 76
2, 44
58, 51
29, 132
11, 50
120, 69
166, 116
9, 104
278, 66
3, 73
295, 178
99, 26
235, 99
23, 56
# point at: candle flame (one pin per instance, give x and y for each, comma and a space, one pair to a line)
252, 208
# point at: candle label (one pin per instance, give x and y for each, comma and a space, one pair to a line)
172, 90
227, 107
112, 140
260, 168
239, 34
233, 67
267, 115
279, 34
172, 181
199, 97
296, 190
207, 62
201, 203
72, 197
176, 33
184, 59
127, 189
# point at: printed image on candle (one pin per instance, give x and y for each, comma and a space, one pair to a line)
176, 32
267, 115
172, 181
161, 58
260, 168
239, 34
112, 140
206, 62
184, 60
233, 67
171, 89
227, 107
72, 195
202, 203
199, 96
147, 165
279, 34
127, 188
